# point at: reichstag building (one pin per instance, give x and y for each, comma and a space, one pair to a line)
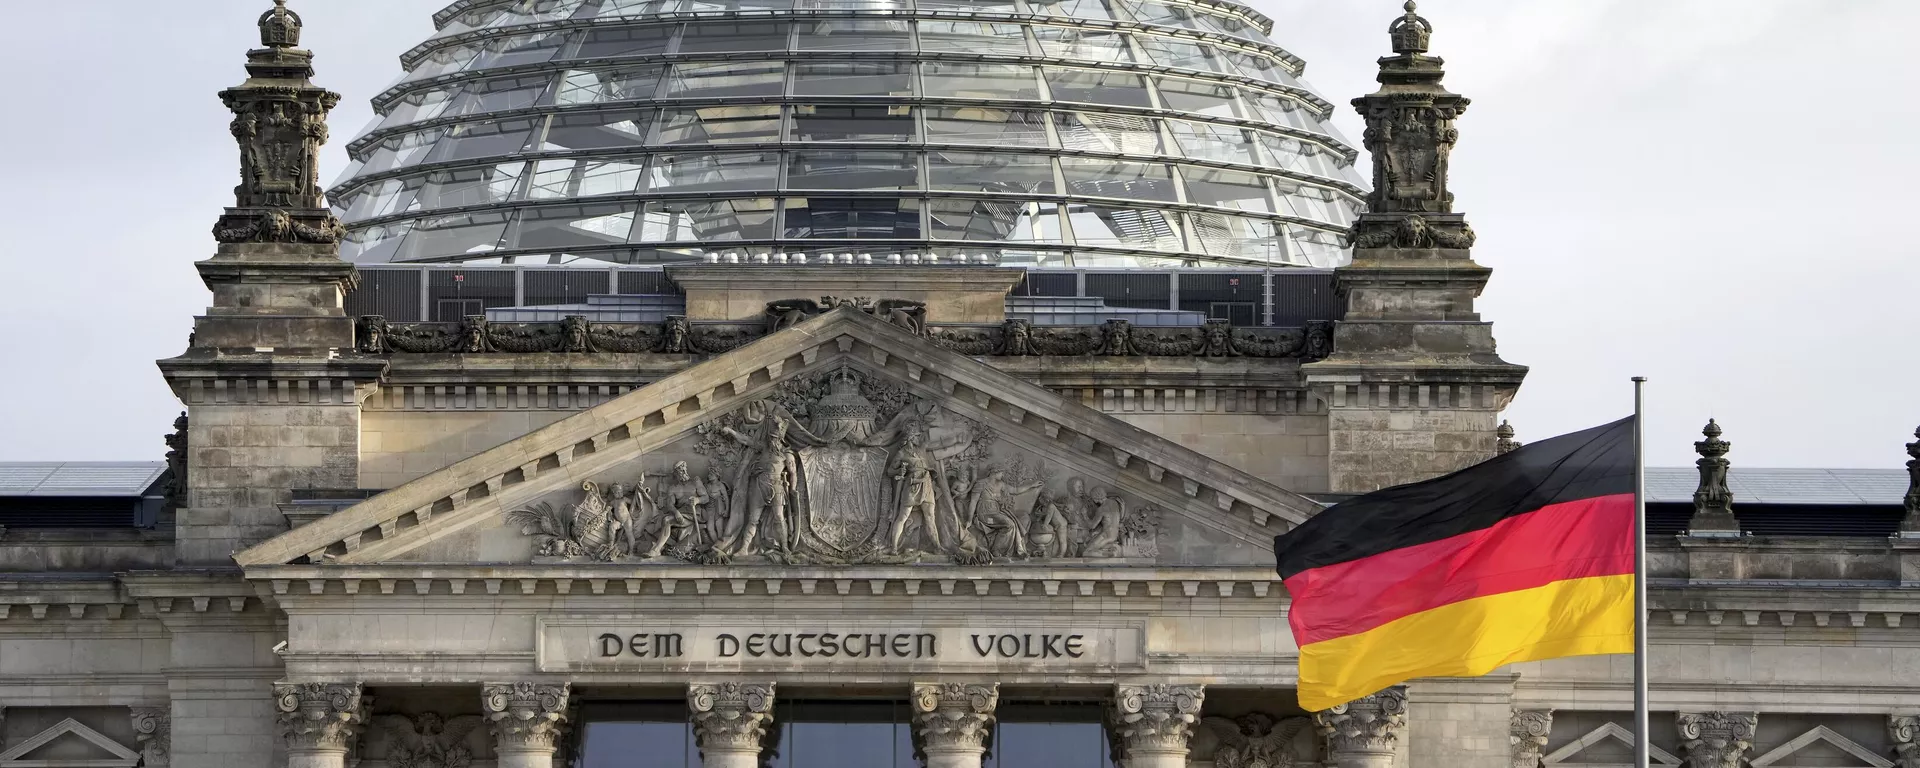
863, 384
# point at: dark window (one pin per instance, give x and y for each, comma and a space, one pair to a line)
638, 734
70, 512
1134, 291
852, 218
843, 734
391, 293
564, 286
1049, 735
645, 282
454, 294
1044, 284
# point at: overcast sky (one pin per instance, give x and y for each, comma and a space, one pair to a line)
1706, 192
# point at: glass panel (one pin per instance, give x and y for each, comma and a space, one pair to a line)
499, 95
1285, 152
1161, 14
484, 139
445, 61
1169, 52
985, 125
729, 6
535, 11
1077, 9
375, 244
733, 79
720, 125
558, 179
612, 8
598, 130
996, 221
420, 105
981, 81
972, 6
1094, 86
732, 172
889, 123
852, 218
1227, 189
724, 36
381, 198
402, 151
1102, 226
1281, 110
536, 48
982, 172
1238, 237
1316, 248
866, 6
853, 169
856, 35
1209, 141
854, 79
1083, 44
469, 186
625, 41
1100, 177
602, 85
573, 226
972, 37
1231, 25
1094, 132
707, 220
1255, 65
457, 235
477, 18
843, 734
1195, 96
644, 734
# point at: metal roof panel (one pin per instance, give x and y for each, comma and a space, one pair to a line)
79, 478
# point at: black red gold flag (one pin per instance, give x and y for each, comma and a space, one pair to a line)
1527, 556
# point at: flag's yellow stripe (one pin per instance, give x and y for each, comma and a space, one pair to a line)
1576, 617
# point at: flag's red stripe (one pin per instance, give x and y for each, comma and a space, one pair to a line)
1568, 540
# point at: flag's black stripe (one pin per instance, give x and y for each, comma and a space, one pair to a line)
1581, 465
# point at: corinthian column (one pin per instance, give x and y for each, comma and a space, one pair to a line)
951, 722
1716, 739
1363, 733
318, 721
526, 719
729, 721
1151, 724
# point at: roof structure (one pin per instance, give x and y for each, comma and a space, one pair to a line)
1811, 487
79, 478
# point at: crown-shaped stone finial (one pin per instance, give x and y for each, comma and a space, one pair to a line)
1910, 525
1411, 33
1506, 444
1713, 501
1713, 447
280, 28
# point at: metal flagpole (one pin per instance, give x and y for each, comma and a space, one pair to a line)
1640, 720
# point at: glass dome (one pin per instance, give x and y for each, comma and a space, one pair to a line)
1109, 133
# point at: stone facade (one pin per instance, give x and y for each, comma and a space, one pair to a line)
444, 546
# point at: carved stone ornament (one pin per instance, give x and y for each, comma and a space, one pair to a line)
153, 728
176, 489
1904, 731
843, 467
730, 717
1716, 739
428, 740
1911, 523
1713, 500
280, 123
953, 717
1155, 719
526, 717
910, 316
1258, 740
1412, 231
318, 717
1528, 734
1372, 724
1505, 443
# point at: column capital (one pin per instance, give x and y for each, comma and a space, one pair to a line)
1368, 725
319, 717
1528, 735
1155, 719
1905, 732
1716, 739
954, 717
526, 717
153, 728
730, 716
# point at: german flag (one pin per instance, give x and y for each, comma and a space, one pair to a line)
1524, 557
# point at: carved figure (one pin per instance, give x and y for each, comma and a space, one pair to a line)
551, 527
719, 505
1017, 338
1217, 340
1319, 340
1104, 528
677, 525
1257, 740
574, 335
1048, 534
473, 335
914, 493
624, 523
429, 740
674, 339
177, 462
910, 316
1117, 338
993, 511
371, 335
787, 313
1414, 231
771, 480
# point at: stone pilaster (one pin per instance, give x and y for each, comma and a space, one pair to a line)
153, 728
1716, 739
319, 722
527, 719
1151, 724
730, 722
951, 722
1528, 735
1904, 732
1365, 732
1414, 385
1712, 500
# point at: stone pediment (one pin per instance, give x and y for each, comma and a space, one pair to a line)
841, 440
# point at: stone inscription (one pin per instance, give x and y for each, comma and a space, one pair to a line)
568, 643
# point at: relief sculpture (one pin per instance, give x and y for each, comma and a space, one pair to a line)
842, 468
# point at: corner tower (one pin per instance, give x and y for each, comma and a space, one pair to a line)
1414, 385
272, 406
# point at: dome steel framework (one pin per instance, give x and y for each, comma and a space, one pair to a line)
1106, 133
